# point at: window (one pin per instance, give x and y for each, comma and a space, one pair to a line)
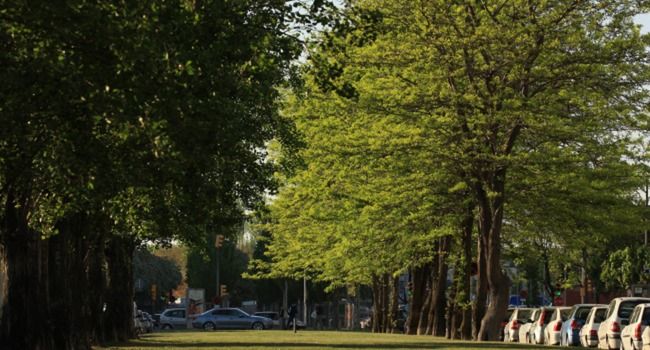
220, 312
523, 315
635, 313
600, 315
582, 313
646, 316
176, 313
610, 308
626, 307
564, 314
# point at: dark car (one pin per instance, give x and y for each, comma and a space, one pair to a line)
230, 318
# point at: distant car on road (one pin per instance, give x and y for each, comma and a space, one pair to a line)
518, 317
230, 318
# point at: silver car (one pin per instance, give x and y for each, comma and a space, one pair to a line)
230, 318
173, 319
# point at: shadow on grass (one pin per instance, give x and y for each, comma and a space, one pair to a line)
289, 345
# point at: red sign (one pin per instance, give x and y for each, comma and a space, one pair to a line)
558, 301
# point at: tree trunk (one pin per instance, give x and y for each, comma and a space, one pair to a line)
385, 300
424, 314
26, 320
491, 219
393, 308
119, 295
376, 305
434, 278
481, 289
419, 285
440, 288
450, 317
464, 281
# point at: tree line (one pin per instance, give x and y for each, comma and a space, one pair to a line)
123, 123
460, 136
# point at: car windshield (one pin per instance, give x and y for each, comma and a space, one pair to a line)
564, 314
600, 315
646, 317
523, 315
626, 307
582, 313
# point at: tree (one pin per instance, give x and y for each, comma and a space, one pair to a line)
123, 124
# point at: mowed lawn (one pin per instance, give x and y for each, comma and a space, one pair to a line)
312, 340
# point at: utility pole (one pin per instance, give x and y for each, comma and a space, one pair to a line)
218, 243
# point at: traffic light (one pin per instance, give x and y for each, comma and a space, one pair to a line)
223, 290
219, 241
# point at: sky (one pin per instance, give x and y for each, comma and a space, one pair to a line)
644, 21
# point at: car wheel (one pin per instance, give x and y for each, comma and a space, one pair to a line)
258, 326
209, 326
167, 326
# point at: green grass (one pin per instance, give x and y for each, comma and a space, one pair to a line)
311, 340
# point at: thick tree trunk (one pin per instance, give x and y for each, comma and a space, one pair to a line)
69, 252
424, 314
491, 219
118, 319
26, 320
440, 287
419, 285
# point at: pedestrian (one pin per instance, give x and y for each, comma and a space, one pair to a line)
293, 310
320, 317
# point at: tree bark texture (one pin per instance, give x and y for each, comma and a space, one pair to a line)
419, 285
490, 223
440, 288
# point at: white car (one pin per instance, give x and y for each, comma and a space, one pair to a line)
631, 336
525, 327
518, 318
536, 333
618, 314
589, 332
553, 331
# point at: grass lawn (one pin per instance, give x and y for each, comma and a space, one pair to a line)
312, 340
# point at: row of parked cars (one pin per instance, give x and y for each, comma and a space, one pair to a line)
623, 324
222, 318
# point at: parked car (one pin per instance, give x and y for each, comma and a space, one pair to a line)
230, 318
618, 315
173, 319
524, 329
156, 320
553, 331
138, 322
570, 334
589, 332
148, 322
631, 336
517, 318
277, 320
506, 319
536, 332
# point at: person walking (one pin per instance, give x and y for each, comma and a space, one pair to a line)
293, 310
